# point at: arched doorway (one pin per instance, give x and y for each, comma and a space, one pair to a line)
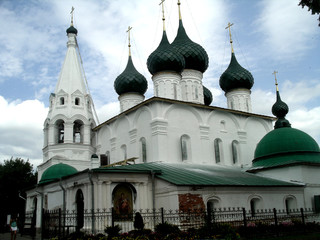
80, 209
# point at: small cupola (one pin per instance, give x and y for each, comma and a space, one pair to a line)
207, 96
72, 29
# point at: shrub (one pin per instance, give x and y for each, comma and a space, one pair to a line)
112, 231
166, 228
138, 221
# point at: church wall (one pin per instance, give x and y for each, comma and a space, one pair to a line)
163, 124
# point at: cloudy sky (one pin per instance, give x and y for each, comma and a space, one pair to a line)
268, 35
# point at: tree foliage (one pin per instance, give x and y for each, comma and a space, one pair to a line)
313, 6
16, 175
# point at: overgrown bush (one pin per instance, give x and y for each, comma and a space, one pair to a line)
165, 229
138, 221
112, 231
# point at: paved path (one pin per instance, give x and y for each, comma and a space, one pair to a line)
7, 236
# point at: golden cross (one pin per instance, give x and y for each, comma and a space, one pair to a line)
179, 9
129, 45
229, 26
275, 78
163, 19
72, 9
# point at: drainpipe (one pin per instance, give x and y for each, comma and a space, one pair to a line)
153, 197
63, 203
92, 200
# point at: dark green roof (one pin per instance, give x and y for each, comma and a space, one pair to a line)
195, 56
235, 76
207, 95
72, 29
57, 171
196, 174
284, 146
130, 80
165, 58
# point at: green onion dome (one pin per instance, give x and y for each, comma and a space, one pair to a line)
280, 110
207, 96
194, 55
72, 29
130, 80
286, 145
165, 58
235, 76
57, 171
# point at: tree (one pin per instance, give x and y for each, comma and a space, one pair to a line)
313, 5
15, 177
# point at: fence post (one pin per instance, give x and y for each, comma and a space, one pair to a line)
244, 217
162, 216
59, 229
276, 221
112, 217
302, 216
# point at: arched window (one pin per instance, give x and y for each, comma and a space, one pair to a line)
124, 152
62, 101
60, 128
80, 209
255, 204
223, 126
77, 132
218, 150
77, 101
185, 147
231, 104
290, 204
143, 150
105, 159
196, 92
235, 151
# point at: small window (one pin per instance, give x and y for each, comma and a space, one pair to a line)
124, 152
231, 104
234, 146
62, 101
77, 101
185, 147
254, 206
218, 149
196, 92
290, 204
143, 150
104, 159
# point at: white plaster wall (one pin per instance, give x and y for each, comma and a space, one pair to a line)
162, 124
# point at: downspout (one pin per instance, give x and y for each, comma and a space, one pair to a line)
63, 203
92, 200
153, 197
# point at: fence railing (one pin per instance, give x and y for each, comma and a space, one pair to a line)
59, 223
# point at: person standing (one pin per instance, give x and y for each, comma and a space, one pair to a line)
13, 228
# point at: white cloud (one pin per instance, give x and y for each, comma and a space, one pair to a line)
287, 29
21, 133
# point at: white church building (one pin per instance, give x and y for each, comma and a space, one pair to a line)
174, 150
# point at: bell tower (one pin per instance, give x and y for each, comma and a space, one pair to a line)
68, 136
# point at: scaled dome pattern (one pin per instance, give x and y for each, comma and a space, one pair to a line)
130, 80
195, 56
235, 76
57, 171
207, 96
72, 29
165, 58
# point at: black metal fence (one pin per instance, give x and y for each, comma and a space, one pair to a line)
58, 223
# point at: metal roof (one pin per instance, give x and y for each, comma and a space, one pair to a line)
195, 174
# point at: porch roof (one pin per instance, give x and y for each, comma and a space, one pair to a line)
197, 174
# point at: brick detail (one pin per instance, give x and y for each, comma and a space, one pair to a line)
190, 202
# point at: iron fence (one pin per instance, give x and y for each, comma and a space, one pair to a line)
58, 223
